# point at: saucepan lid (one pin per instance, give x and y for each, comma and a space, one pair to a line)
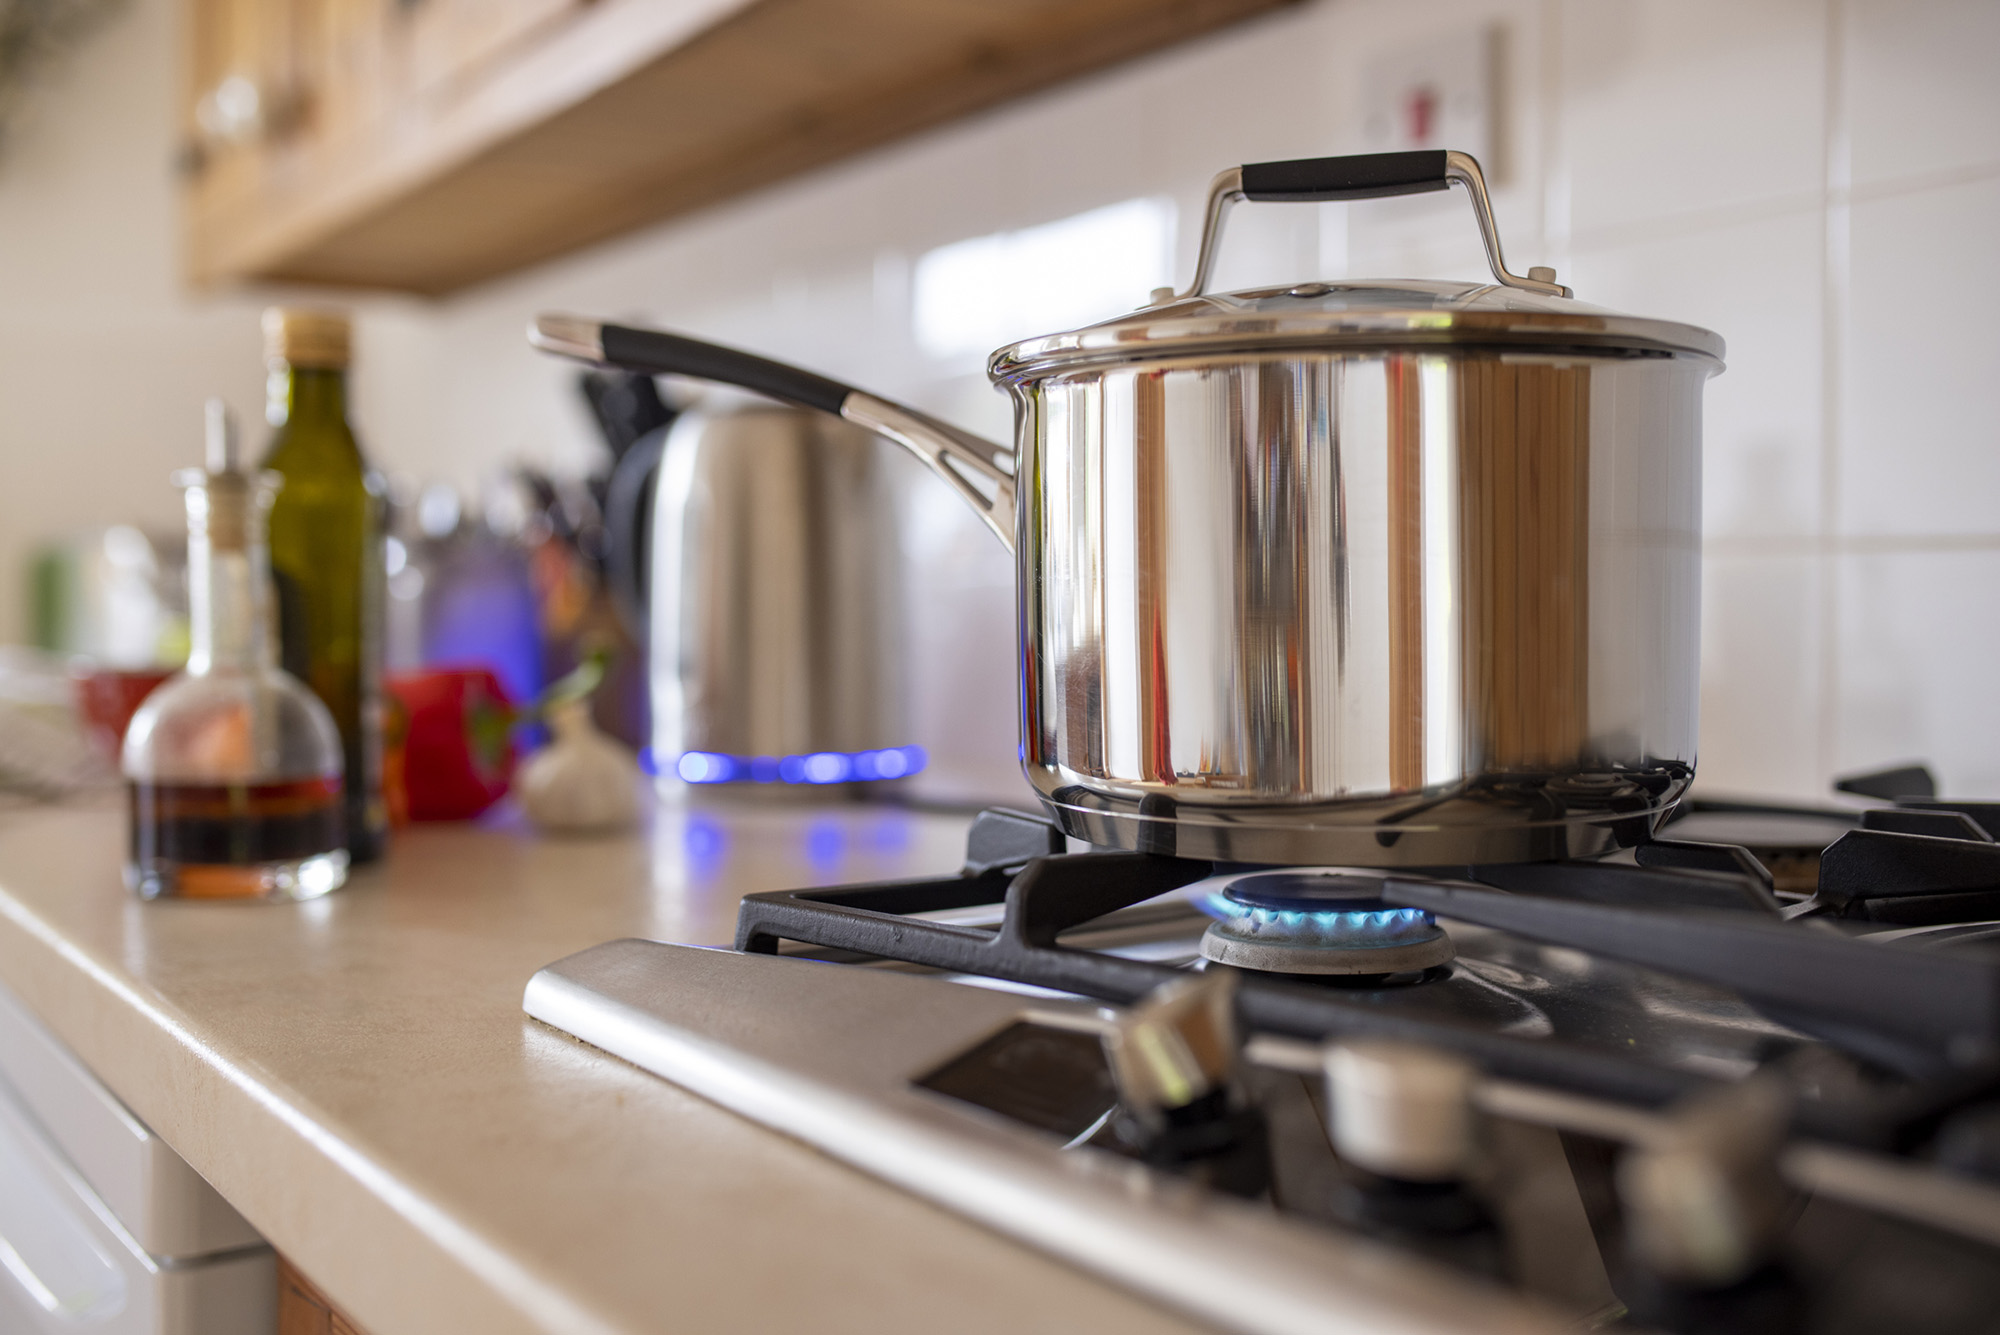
1520, 312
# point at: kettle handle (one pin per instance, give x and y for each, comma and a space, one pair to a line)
1357, 176
979, 470
628, 523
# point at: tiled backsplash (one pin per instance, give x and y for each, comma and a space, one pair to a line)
1817, 180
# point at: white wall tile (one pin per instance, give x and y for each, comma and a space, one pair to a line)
1920, 449
1430, 236
1758, 285
963, 696
1921, 91
1760, 680
1417, 236
1684, 106
1918, 640
1435, 236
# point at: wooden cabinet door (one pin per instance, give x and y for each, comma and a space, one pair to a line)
244, 69
450, 41
304, 1310
425, 145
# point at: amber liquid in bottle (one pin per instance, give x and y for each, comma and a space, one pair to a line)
218, 838
234, 767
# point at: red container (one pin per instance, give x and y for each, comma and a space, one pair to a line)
107, 698
458, 754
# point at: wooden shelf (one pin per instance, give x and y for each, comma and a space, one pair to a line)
478, 149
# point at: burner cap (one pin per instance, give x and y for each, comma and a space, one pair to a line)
1320, 920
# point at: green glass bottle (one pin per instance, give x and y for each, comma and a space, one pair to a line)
326, 551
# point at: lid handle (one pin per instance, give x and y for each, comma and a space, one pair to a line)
1357, 176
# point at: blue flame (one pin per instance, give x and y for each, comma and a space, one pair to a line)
891, 762
1332, 926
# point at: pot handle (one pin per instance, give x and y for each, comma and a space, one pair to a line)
979, 470
1358, 176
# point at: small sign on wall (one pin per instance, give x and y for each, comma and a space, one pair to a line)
1438, 94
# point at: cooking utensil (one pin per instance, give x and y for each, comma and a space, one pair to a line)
1365, 573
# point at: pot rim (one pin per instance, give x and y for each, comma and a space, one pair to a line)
1300, 318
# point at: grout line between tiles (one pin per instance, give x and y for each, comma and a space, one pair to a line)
1838, 545
1556, 240
1917, 183
1673, 226
1834, 295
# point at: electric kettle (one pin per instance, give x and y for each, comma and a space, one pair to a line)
771, 604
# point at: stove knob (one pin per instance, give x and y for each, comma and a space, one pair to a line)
1703, 1201
1177, 1048
1400, 1117
1173, 1058
1400, 1110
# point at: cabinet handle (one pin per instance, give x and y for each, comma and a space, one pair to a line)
232, 112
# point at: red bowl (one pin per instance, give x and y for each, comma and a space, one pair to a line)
107, 698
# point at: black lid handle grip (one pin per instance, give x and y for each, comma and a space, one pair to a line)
1357, 176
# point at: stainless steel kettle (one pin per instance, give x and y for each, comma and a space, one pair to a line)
773, 602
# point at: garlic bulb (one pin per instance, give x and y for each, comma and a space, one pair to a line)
581, 782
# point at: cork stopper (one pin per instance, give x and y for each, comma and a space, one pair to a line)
226, 486
306, 337
220, 453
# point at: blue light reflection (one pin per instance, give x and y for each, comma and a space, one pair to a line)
707, 844
826, 841
820, 767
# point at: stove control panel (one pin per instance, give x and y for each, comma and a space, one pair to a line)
1702, 1217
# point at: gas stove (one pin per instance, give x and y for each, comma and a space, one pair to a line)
1745, 1077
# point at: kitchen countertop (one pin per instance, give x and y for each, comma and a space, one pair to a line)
356, 1076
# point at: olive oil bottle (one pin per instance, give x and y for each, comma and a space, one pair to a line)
326, 551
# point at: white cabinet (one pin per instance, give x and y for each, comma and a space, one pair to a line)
103, 1228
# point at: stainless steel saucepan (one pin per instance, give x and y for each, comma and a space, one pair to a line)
1367, 573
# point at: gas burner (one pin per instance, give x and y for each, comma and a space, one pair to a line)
1316, 920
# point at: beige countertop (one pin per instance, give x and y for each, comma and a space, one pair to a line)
356, 1076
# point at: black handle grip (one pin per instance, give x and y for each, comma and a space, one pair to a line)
1358, 176
658, 353
628, 532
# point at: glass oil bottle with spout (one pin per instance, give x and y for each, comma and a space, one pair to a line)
233, 766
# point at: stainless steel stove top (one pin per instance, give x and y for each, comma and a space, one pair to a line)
1671, 1095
